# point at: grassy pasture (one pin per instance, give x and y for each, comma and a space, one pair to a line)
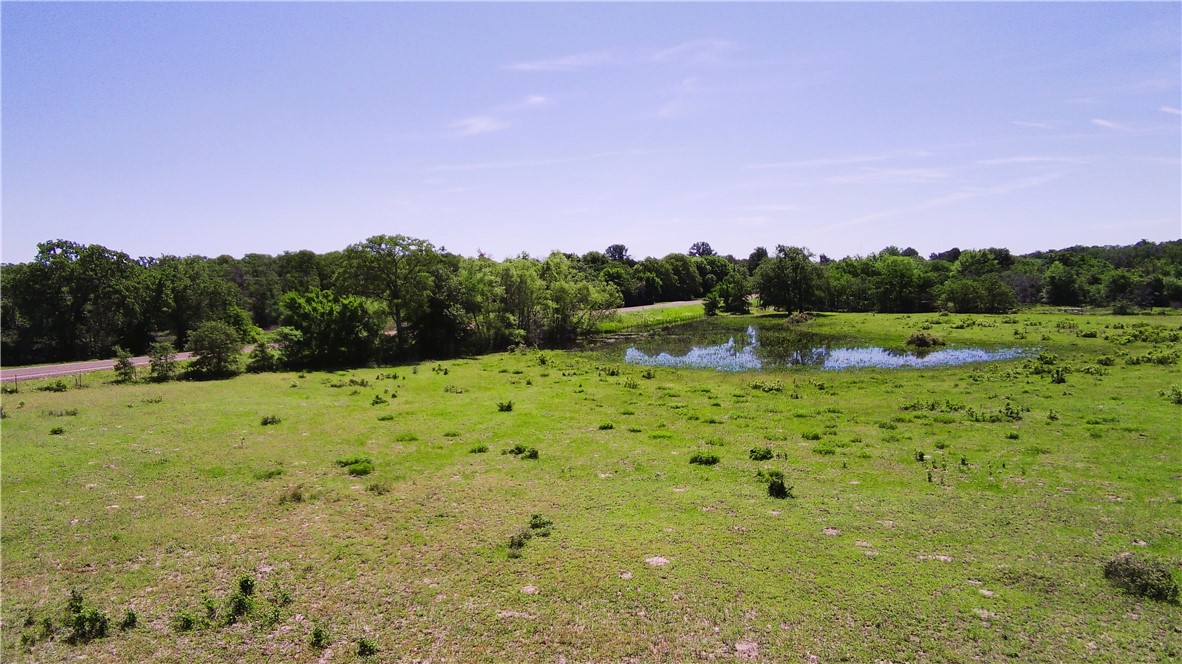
155, 498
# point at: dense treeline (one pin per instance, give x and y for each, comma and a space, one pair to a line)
393, 297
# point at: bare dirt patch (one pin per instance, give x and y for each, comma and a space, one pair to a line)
657, 561
831, 531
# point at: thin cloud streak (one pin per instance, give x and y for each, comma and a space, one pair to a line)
1109, 124
968, 193
1171, 109
525, 163
1005, 161
837, 161
696, 52
478, 124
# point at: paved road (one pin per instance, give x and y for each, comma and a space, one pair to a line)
55, 370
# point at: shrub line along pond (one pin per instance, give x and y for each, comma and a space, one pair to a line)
728, 356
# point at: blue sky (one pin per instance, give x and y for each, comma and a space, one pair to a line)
217, 128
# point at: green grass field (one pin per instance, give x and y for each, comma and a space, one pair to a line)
944, 515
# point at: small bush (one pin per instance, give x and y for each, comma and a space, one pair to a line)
268, 474
1012, 435
648, 374
760, 453
378, 488
1145, 578
184, 621
377, 400
238, 605
515, 450
246, 585
824, 450
57, 431
388, 417
606, 426
479, 449
704, 458
55, 386
406, 437
360, 469
811, 435
351, 460
537, 521
366, 647
920, 456
505, 406
1173, 395
129, 621
777, 489
268, 420
531, 453
924, 340
86, 623
320, 637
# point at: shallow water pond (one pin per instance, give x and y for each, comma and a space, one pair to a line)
702, 346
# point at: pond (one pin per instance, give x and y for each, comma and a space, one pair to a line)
700, 347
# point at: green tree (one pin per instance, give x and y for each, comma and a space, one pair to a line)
215, 347
787, 281
124, 369
162, 361
323, 329
395, 270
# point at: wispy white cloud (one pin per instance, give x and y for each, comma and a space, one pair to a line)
525, 163
695, 52
873, 175
1171, 109
838, 161
1109, 124
964, 194
478, 124
1005, 161
493, 119
571, 62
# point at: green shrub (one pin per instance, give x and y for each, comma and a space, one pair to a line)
378, 400
479, 449
351, 460
378, 488
1012, 435
704, 458
537, 521
366, 647
270, 473
130, 620
85, 623
56, 386
924, 340
1145, 578
184, 621
124, 369
811, 435
1173, 394
515, 450
388, 417
531, 453
238, 605
606, 426
777, 489
320, 637
824, 450
360, 469
760, 453
505, 406
268, 420
57, 431
246, 585
406, 437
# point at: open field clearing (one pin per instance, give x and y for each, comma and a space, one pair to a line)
959, 513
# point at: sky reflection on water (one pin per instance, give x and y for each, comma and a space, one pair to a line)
730, 356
